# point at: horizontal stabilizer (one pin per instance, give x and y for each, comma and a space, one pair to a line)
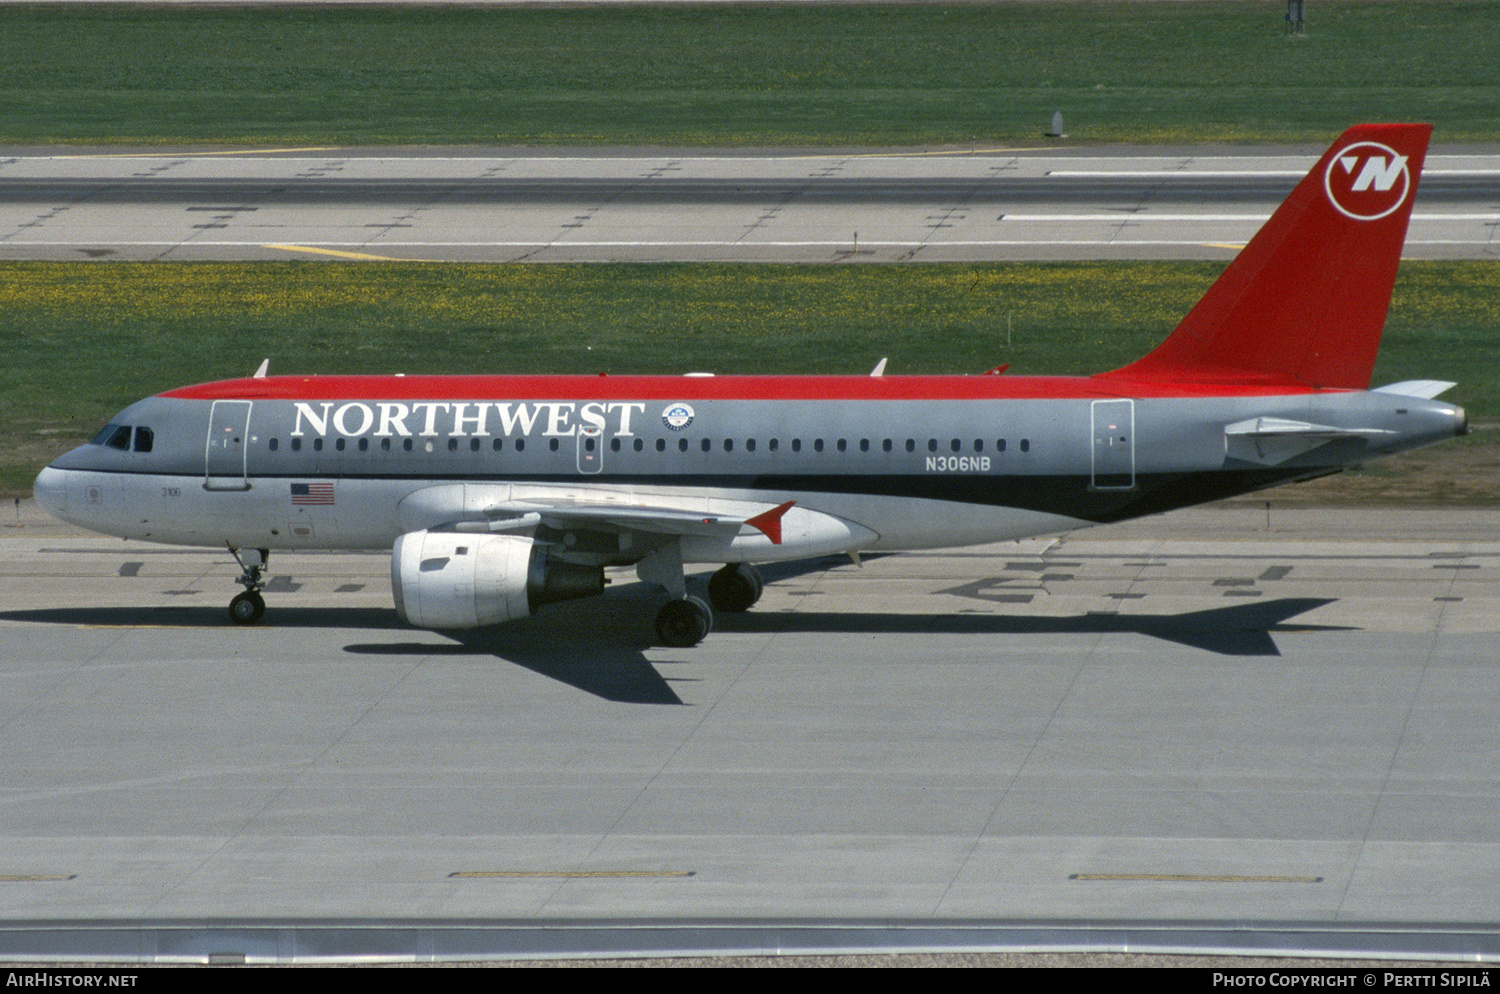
1271, 441
1425, 389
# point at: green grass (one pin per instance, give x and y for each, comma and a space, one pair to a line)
742, 75
82, 340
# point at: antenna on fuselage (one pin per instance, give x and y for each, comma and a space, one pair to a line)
260, 373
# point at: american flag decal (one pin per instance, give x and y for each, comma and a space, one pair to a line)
312, 493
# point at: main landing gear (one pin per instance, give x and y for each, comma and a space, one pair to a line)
249, 607
686, 621
735, 588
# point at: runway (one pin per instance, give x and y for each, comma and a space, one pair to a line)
1226, 714
499, 205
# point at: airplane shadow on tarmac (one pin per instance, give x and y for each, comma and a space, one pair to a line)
599, 645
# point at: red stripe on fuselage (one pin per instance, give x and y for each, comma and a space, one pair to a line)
1233, 383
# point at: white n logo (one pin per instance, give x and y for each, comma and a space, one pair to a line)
1367, 181
1378, 172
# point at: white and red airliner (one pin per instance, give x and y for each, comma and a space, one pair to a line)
497, 494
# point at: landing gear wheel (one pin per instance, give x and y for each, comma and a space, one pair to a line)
735, 588
247, 608
683, 624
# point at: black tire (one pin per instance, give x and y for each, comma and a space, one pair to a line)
247, 608
735, 588
683, 624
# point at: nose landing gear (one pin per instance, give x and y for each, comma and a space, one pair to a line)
248, 608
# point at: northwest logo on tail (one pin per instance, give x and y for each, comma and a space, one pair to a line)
1367, 181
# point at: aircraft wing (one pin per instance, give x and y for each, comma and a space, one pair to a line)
570, 515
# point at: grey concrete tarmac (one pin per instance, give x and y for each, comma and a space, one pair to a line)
1220, 714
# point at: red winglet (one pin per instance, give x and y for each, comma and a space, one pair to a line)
769, 522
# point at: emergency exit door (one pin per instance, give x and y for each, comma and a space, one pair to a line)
1114, 445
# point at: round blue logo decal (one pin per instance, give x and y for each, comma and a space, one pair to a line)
677, 416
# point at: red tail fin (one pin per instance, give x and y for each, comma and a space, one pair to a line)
1307, 298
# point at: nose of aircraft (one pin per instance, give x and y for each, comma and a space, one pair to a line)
50, 490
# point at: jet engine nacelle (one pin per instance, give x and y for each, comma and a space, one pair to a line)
464, 580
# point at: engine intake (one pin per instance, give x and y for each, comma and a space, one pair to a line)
460, 580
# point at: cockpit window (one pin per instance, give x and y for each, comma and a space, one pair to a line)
114, 436
119, 436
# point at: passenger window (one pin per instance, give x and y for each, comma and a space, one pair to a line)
273, 444
749, 445
796, 445
296, 445
1025, 445
932, 445
707, 445
772, 445
843, 445
682, 445
864, 445
640, 445
978, 445
496, 445
817, 445
452, 445
661, 445
728, 445
364, 445
520, 445
317, 445
406, 444
886, 445
473, 445
911, 445
1000, 445
385, 445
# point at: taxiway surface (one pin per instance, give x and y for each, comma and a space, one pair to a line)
1218, 714
498, 205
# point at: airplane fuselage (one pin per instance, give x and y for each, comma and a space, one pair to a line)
903, 462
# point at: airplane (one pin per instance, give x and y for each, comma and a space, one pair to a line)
499, 494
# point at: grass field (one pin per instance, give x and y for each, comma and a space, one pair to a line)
82, 340
742, 75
